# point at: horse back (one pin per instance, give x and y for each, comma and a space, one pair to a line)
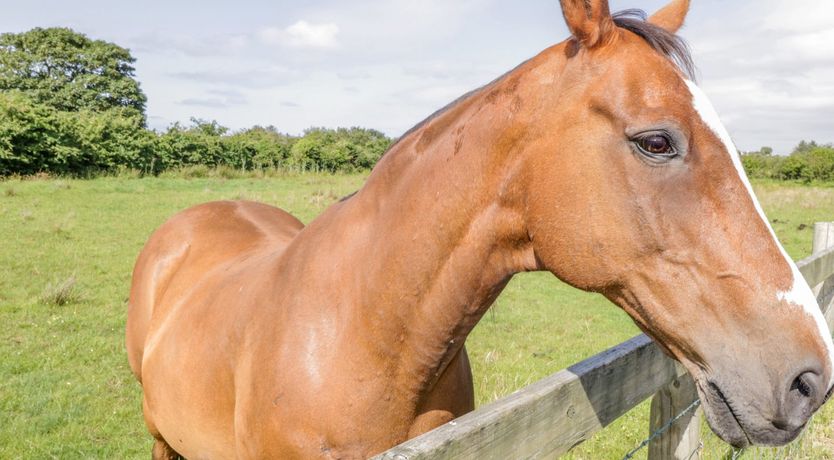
191, 244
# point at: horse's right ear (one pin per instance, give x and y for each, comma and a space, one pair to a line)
589, 21
671, 16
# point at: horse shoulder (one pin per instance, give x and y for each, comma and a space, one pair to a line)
188, 246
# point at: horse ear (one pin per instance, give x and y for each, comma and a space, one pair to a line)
588, 20
671, 16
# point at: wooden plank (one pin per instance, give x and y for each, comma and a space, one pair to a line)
683, 439
829, 312
818, 267
823, 240
553, 415
823, 236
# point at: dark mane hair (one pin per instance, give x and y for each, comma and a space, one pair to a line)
663, 41
666, 43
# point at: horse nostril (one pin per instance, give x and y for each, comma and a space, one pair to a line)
799, 384
803, 397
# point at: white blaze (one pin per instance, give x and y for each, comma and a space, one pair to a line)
800, 293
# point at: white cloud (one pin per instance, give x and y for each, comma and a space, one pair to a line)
797, 15
188, 45
217, 98
770, 74
302, 34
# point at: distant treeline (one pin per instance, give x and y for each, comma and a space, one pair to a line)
808, 162
37, 138
71, 105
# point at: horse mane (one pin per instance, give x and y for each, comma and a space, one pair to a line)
673, 47
664, 42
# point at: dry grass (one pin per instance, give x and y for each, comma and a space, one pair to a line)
63, 226
320, 198
60, 293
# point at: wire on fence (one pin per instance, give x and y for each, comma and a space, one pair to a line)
663, 429
697, 448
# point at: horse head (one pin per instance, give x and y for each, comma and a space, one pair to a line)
636, 191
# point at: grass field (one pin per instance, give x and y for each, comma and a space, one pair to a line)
67, 248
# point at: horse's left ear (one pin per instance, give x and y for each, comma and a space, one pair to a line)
671, 16
588, 20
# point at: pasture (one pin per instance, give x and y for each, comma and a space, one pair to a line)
67, 249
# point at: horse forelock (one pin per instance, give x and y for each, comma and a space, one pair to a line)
671, 46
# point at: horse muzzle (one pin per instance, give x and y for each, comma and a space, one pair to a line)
741, 418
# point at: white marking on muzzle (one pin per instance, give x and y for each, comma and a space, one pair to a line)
800, 293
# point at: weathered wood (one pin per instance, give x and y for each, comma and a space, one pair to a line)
823, 236
682, 440
828, 312
823, 240
552, 415
818, 267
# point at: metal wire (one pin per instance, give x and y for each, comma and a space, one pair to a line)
663, 429
697, 448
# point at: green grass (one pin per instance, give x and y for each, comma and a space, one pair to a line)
67, 249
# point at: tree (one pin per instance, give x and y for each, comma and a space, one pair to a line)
39, 138
307, 153
258, 148
795, 167
804, 147
821, 163
69, 72
198, 144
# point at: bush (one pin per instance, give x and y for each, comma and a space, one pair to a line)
181, 146
808, 162
319, 149
821, 163
342, 149
258, 148
37, 138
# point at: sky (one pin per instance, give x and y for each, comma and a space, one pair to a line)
767, 65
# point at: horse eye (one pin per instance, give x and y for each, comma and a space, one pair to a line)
656, 144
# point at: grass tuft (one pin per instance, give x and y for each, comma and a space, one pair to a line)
65, 225
321, 197
61, 293
10, 192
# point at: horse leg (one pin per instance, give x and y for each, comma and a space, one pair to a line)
451, 397
162, 451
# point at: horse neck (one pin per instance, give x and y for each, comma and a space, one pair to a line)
442, 223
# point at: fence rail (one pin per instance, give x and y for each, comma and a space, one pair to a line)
553, 415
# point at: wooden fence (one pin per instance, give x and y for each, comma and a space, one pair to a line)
553, 415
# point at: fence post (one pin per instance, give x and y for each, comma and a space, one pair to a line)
824, 239
823, 236
683, 439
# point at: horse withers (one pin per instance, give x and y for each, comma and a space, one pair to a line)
597, 160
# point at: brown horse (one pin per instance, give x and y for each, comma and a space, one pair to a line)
597, 160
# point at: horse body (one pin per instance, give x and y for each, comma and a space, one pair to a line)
256, 337
267, 328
